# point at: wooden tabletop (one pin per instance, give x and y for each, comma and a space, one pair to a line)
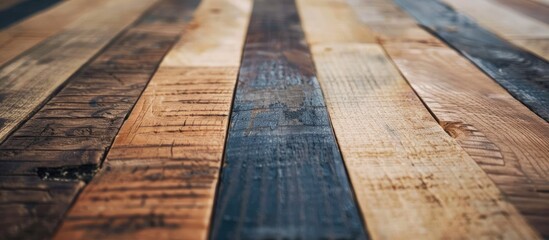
274, 119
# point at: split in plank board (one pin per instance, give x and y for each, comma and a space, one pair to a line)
28, 81
22, 10
283, 176
159, 178
411, 179
524, 75
474, 109
43, 163
20, 37
507, 23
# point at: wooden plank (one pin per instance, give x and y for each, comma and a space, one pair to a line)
22, 10
531, 9
62, 145
505, 22
412, 180
524, 75
282, 177
506, 139
160, 175
20, 37
31, 78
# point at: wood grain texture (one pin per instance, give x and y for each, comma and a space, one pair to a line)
412, 180
31, 78
61, 146
505, 22
524, 75
161, 173
22, 10
283, 177
20, 37
507, 140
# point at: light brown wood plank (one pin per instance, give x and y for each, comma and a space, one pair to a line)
506, 22
505, 138
22, 36
160, 175
412, 180
28, 80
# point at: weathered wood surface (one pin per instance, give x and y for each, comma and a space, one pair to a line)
31, 78
160, 176
23, 35
283, 176
523, 74
412, 180
506, 22
507, 140
528, 8
45, 162
22, 10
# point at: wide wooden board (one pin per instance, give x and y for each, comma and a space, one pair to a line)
282, 176
160, 176
46, 162
523, 74
31, 78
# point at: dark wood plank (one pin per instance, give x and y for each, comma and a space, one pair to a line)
283, 176
23, 10
65, 141
523, 74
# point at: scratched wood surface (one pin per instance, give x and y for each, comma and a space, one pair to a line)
474, 109
523, 74
47, 161
507, 23
23, 35
160, 175
14, 12
282, 176
407, 173
31, 78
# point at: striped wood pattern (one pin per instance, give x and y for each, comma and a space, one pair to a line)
20, 37
160, 175
67, 138
31, 78
408, 174
283, 176
507, 23
524, 75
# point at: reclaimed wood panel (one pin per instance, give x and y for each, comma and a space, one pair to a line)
506, 139
63, 144
524, 75
283, 176
31, 78
22, 10
505, 22
412, 180
161, 173
20, 37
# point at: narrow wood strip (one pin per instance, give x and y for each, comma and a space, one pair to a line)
412, 180
20, 37
31, 78
159, 179
524, 75
22, 10
61, 146
505, 22
539, 12
283, 176
507, 140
